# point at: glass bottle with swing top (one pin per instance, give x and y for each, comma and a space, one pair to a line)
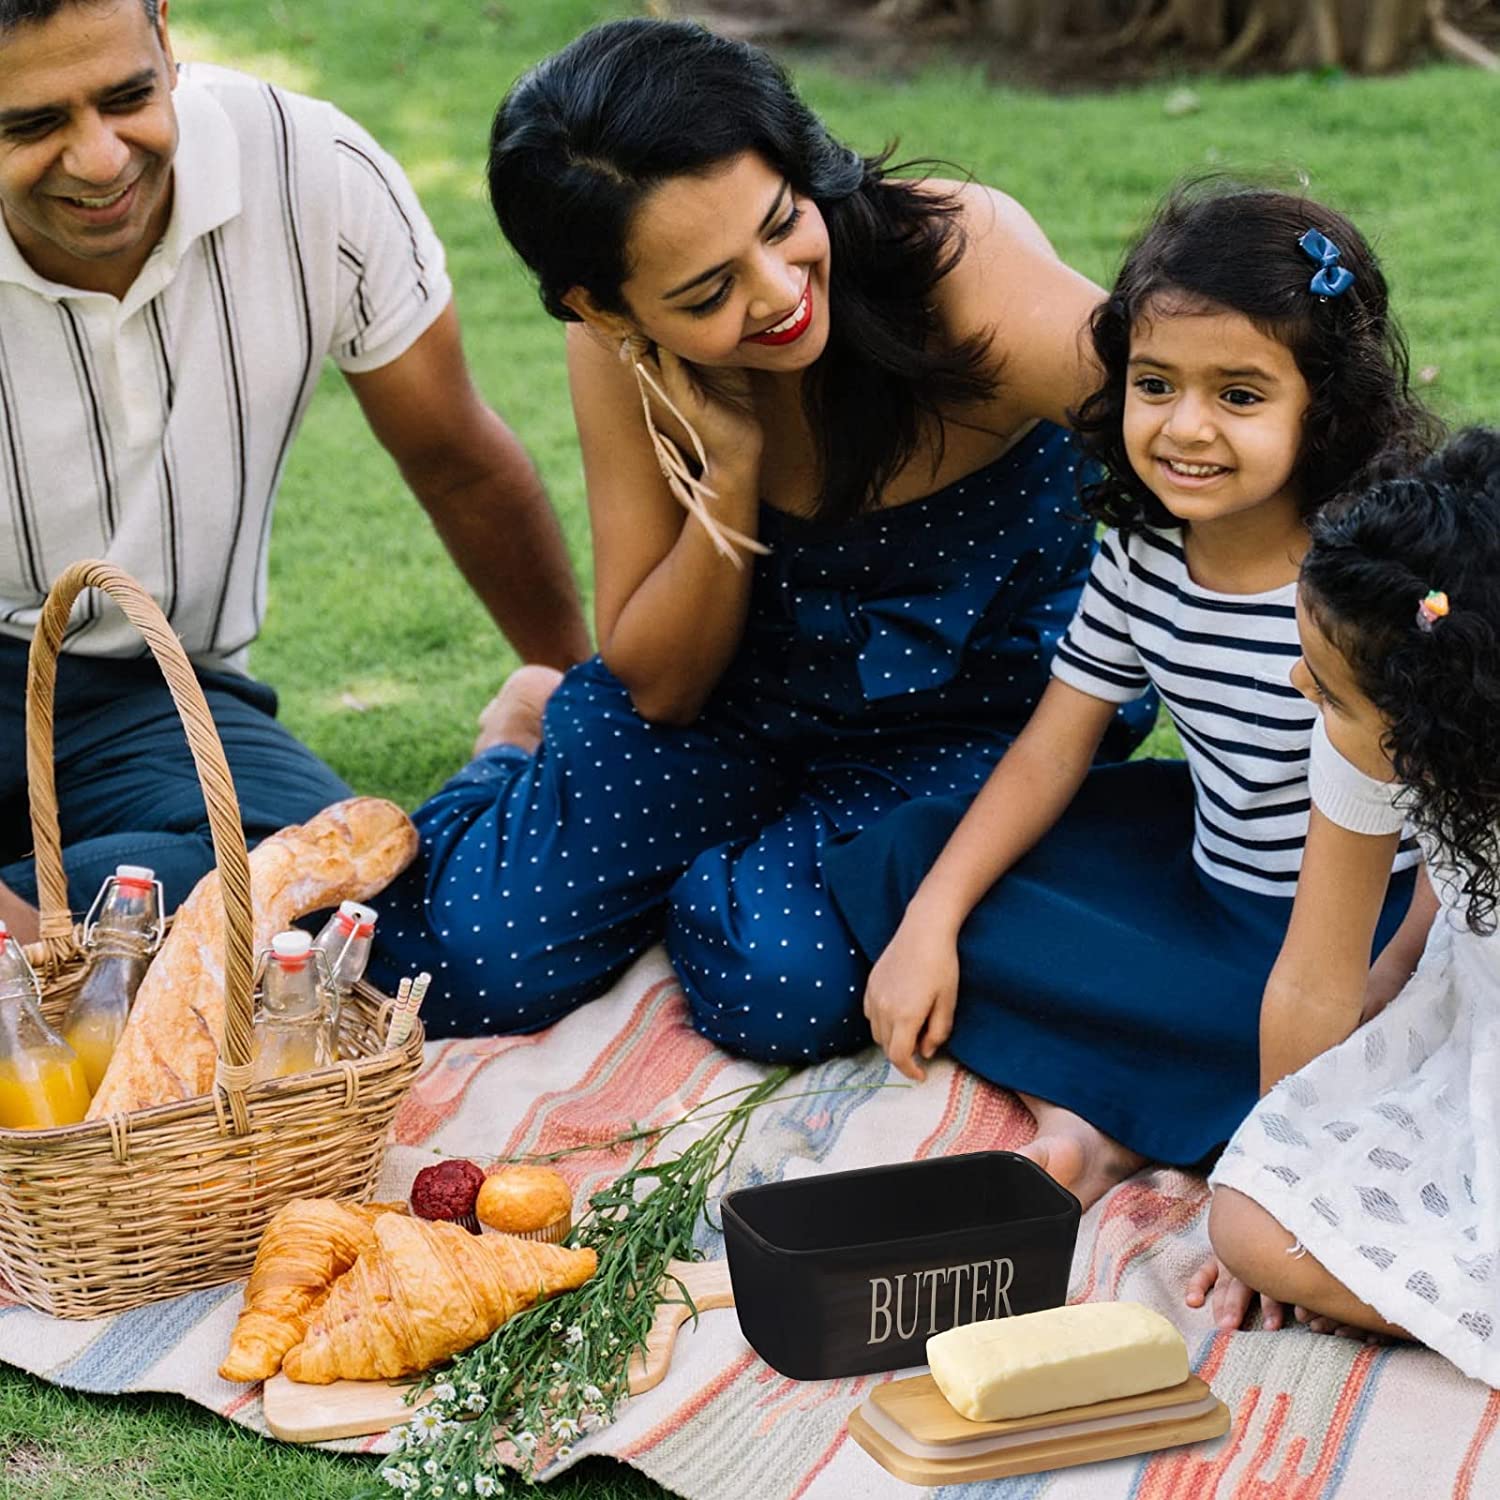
121, 932
42, 1083
294, 1012
345, 942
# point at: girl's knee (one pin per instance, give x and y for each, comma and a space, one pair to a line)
1249, 1242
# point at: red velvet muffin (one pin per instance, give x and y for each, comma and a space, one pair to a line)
448, 1190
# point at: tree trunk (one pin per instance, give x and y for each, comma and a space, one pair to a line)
1112, 38
1390, 29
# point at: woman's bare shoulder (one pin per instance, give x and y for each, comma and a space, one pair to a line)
1010, 286
994, 224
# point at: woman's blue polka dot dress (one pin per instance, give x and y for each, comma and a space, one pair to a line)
892, 657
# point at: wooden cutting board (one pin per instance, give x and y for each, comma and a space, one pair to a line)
906, 1425
300, 1413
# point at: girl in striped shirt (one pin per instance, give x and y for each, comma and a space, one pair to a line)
1098, 938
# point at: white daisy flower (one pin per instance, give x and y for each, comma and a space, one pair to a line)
426, 1424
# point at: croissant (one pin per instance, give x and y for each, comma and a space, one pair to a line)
428, 1290
308, 1244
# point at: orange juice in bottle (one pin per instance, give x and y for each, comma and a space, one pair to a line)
122, 931
42, 1081
93, 1039
42, 1088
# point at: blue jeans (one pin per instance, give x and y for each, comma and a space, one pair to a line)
127, 791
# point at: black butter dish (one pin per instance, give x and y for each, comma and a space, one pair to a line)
852, 1272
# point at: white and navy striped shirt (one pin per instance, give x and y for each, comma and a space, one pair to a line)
1221, 664
151, 430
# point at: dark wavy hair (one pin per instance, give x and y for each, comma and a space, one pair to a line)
1215, 245
14, 13
1373, 558
580, 141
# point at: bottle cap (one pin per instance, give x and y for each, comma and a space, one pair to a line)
356, 917
291, 947
136, 874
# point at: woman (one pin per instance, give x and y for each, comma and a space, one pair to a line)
831, 583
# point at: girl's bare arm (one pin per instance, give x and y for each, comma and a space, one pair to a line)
1316, 991
1399, 958
913, 988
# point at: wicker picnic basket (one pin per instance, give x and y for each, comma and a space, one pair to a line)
99, 1217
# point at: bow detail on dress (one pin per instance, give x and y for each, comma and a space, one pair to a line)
903, 643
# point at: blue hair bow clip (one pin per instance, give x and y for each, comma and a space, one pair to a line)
1331, 279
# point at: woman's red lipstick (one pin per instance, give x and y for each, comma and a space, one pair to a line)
798, 328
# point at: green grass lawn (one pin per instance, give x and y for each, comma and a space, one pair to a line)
381, 656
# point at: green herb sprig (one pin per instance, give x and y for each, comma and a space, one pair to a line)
560, 1370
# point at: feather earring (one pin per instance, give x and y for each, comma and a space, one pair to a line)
691, 490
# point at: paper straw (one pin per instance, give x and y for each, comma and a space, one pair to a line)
398, 1009
408, 1001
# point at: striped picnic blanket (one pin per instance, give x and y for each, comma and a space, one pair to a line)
1313, 1417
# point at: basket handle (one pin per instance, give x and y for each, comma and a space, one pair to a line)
208, 757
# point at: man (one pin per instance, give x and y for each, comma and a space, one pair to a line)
178, 254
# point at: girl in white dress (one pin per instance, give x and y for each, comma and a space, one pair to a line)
1364, 1189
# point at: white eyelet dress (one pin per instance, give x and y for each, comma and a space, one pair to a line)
1382, 1156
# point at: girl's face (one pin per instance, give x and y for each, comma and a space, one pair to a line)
1213, 411
1322, 675
729, 267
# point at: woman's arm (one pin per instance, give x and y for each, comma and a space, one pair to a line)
1316, 991
913, 988
1011, 285
668, 609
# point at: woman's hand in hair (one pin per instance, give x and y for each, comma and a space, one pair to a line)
717, 405
669, 607
911, 995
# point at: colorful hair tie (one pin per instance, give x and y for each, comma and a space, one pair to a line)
1331, 279
1432, 609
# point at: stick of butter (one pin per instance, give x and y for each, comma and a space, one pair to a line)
1056, 1359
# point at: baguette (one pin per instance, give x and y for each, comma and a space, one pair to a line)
170, 1045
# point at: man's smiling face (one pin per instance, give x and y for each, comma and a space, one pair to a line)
87, 136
